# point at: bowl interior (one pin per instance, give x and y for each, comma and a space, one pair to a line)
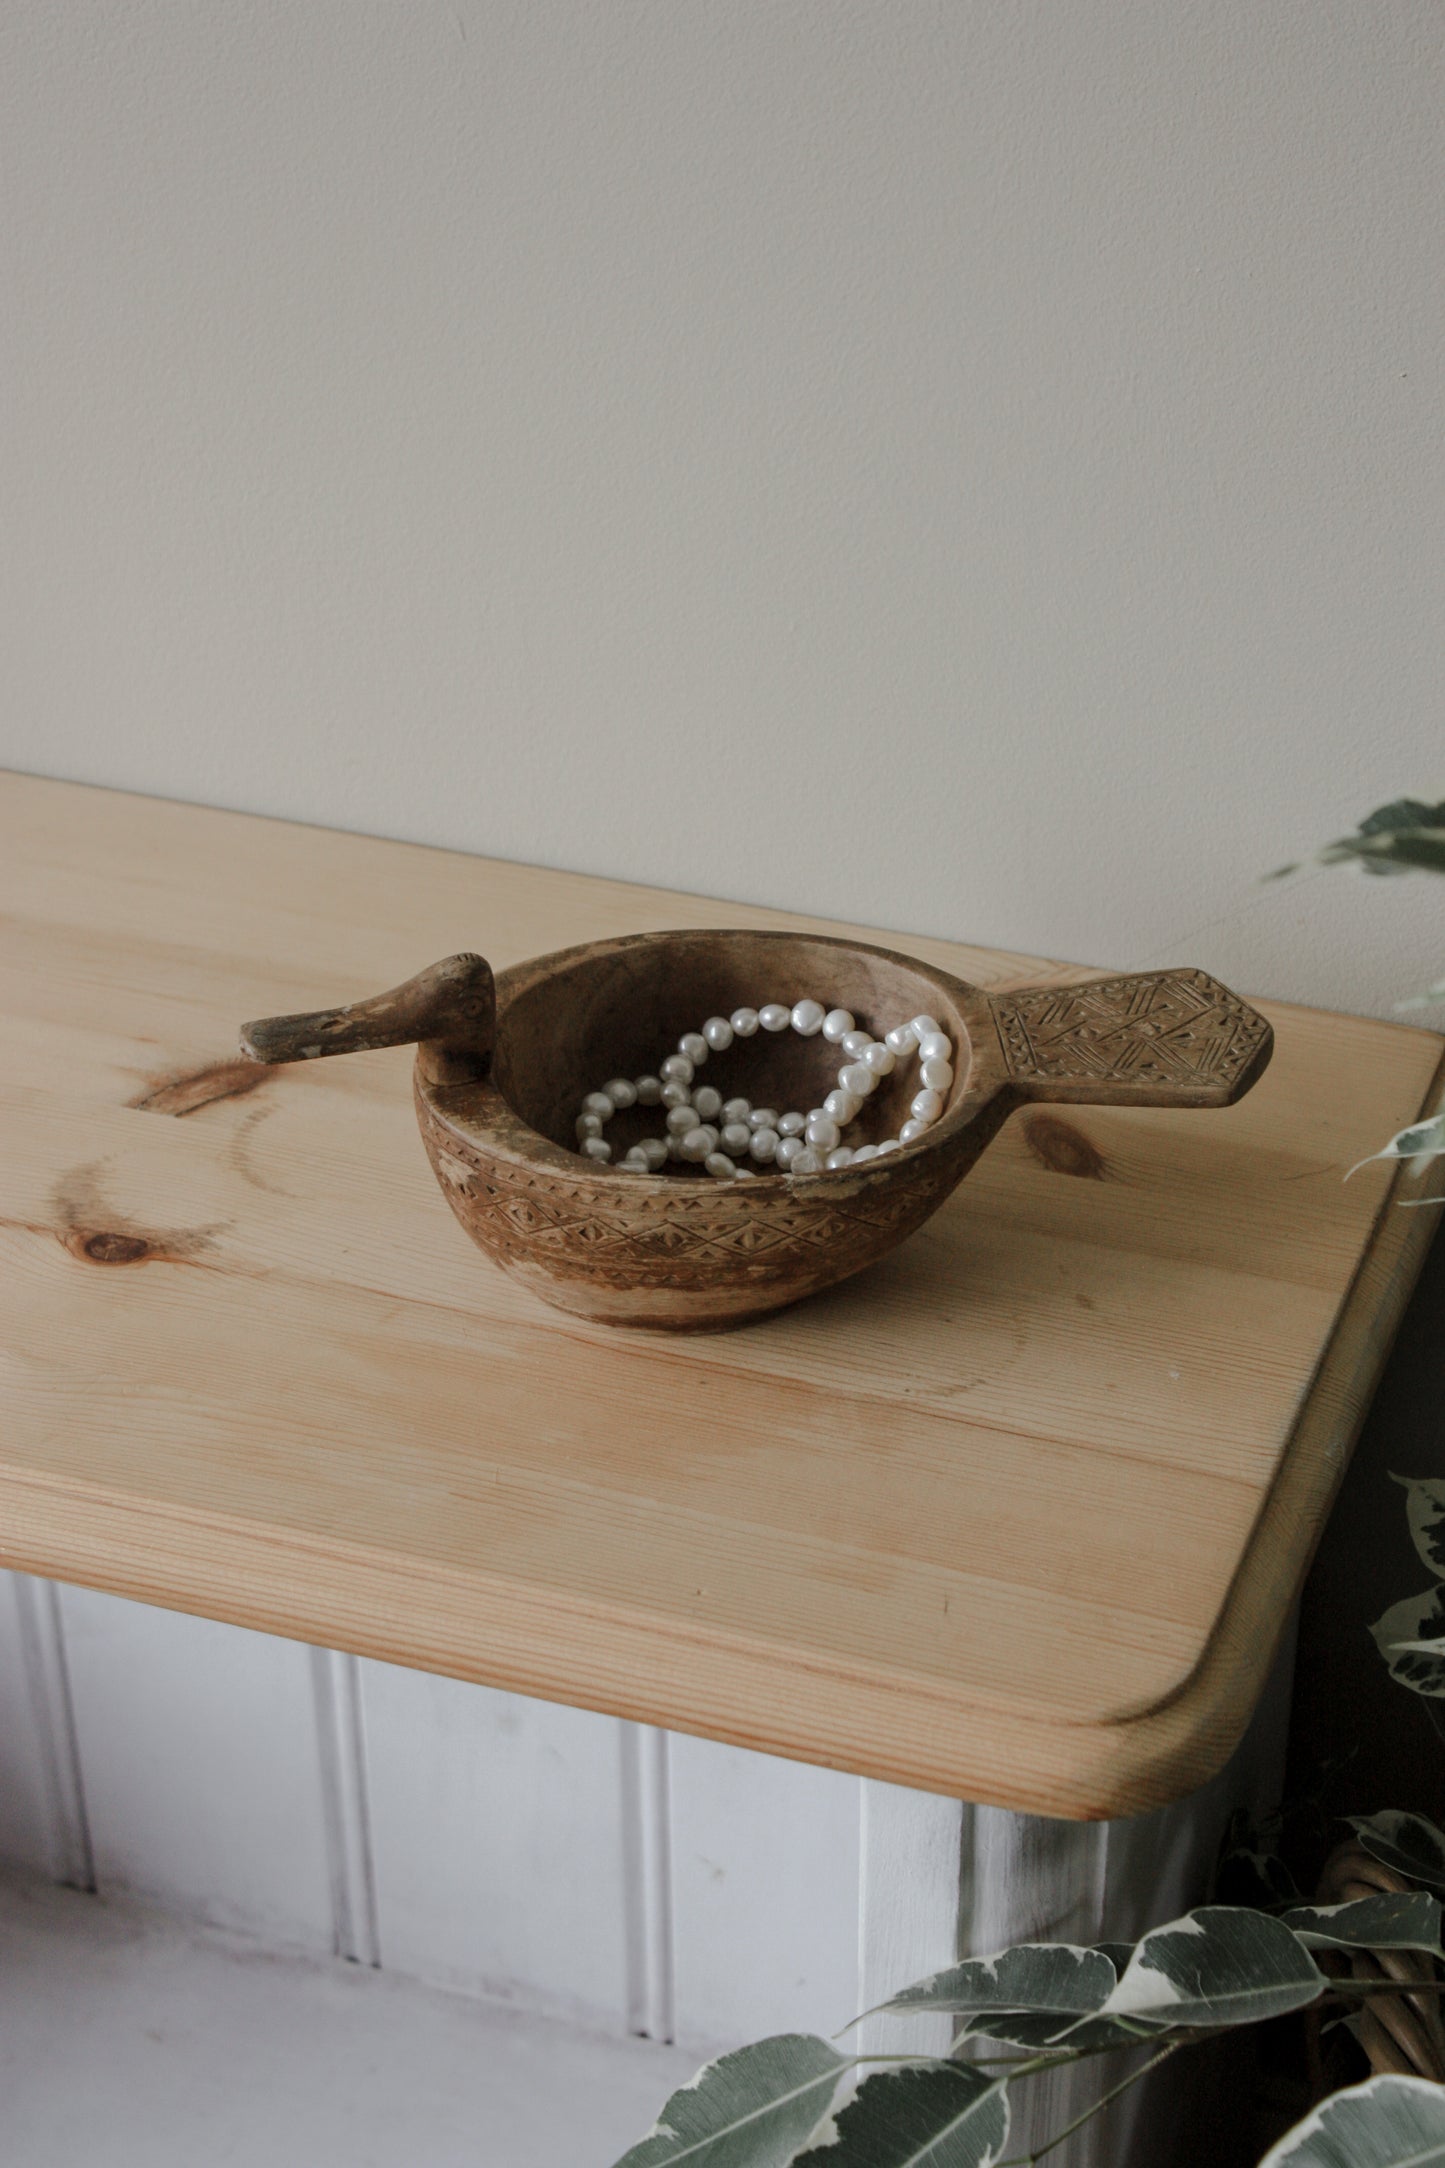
567, 1025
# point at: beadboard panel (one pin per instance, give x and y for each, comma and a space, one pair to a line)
497, 1829
26, 1822
201, 1766
559, 1861
909, 1908
633, 1880
766, 1861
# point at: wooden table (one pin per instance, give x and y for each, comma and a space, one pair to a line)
1015, 1517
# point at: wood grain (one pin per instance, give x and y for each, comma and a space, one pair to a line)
1015, 1516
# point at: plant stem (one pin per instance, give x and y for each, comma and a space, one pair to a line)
1029, 2160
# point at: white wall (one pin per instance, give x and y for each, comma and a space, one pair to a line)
968, 467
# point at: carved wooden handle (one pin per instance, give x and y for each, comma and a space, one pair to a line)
450, 1011
1155, 1038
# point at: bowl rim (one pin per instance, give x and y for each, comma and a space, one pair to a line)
482, 1115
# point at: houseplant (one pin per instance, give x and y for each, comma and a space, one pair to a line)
1367, 1953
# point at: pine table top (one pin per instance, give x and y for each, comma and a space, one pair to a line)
1018, 1515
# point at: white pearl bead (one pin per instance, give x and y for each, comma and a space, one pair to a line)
856, 1077
719, 1165
855, 1044
936, 1075
790, 1125
926, 1107
736, 1137
774, 1017
588, 1125
880, 1058
912, 1131
762, 1118
836, 1022
864, 1153
599, 1104
718, 1033
621, 1092
674, 1148
634, 1163
840, 1157
597, 1147
934, 1046
742, 1174
697, 1143
922, 1024
674, 1094
736, 1110
843, 1106
681, 1119
763, 1145
654, 1151
822, 1130
649, 1090
807, 1162
789, 1149
707, 1101
807, 1018
693, 1045
744, 1023
901, 1039
889, 1144
677, 1069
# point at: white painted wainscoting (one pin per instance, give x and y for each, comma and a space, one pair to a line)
628, 1881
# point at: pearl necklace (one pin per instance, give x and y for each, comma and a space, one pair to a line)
704, 1128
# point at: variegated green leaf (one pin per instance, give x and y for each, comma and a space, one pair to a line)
1043, 1976
947, 2116
1409, 1843
1221, 1965
1408, 835
1409, 850
751, 2109
1401, 814
1034, 2030
1425, 1513
1413, 846
1422, 1141
1409, 1921
1411, 1638
1385, 2123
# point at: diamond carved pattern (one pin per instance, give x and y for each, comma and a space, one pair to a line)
1164, 1029
525, 1215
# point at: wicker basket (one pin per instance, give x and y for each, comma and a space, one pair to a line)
1399, 2033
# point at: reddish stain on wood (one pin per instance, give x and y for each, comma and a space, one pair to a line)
194, 1088
1063, 1149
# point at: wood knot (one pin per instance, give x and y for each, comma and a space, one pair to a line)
93, 1231
1063, 1149
110, 1248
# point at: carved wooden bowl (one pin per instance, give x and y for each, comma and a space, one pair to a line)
502, 1066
